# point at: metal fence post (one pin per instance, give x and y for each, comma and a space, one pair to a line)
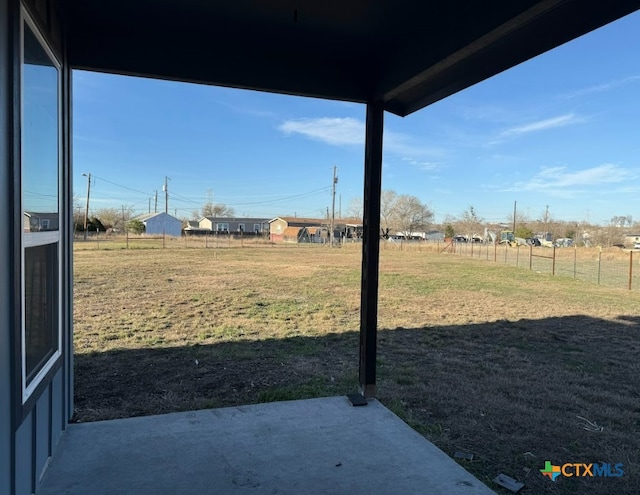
505, 252
530, 255
553, 266
599, 264
630, 269
517, 253
575, 258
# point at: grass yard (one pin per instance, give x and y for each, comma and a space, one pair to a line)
478, 357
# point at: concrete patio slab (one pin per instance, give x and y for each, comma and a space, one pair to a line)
315, 446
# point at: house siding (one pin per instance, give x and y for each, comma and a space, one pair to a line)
276, 229
163, 224
210, 223
6, 255
287, 229
28, 436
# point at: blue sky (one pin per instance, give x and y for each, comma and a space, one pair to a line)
561, 130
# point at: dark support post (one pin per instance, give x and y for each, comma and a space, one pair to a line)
371, 247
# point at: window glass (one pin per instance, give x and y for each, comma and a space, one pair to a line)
39, 137
40, 169
40, 299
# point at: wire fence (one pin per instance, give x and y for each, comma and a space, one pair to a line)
144, 241
613, 267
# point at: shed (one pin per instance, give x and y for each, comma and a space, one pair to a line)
161, 224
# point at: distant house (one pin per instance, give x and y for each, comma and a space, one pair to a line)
253, 226
40, 222
161, 224
294, 229
631, 239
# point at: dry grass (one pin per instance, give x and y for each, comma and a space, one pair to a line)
478, 357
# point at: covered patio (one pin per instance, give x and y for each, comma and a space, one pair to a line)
397, 57
315, 446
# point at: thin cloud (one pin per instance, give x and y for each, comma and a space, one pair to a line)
558, 181
335, 131
347, 131
601, 88
543, 125
422, 165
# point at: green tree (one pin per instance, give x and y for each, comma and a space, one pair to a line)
523, 231
135, 226
449, 232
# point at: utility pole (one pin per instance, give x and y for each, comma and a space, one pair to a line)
86, 210
333, 204
155, 208
165, 188
149, 205
514, 218
546, 222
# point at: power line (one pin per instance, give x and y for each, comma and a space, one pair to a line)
146, 193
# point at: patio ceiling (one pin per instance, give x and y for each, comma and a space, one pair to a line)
405, 53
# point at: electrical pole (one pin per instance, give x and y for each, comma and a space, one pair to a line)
546, 223
514, 218
149, 205
165, 188
333, 204
86, 210
155, 208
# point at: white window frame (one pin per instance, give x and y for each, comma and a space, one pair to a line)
222, 224
33, 239
257, 228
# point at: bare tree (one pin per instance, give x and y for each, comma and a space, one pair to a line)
114, 218
217, 210
388, 201
470, 223
401, 213
622, 221
355, 208
410, 215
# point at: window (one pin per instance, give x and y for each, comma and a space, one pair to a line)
222, 227
257, 228
41, 337
240, 227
